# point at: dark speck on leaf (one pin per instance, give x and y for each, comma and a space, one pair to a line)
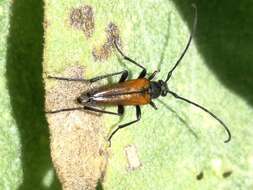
200, 176
227, 174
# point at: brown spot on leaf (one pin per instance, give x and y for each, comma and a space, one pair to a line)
82, 18
78, 146
45, 24
112, 34
102, 53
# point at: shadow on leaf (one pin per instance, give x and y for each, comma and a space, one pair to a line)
24, 80
224, 37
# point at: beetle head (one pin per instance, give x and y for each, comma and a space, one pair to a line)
84, 99
159, 88
164, 87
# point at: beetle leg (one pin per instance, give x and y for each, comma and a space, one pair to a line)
142, 74
123, 76
138, 116
63, 110
67, 79
102, 111
121, 110
89, 80
119, 113
153, 105
124, 73
144, 70
153, 75
126, 57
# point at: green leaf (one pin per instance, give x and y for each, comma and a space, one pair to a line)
178, 142
10, 162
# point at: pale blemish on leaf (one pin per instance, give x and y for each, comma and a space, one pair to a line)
217, 165
48, 178
132, 157
250, 161
1, 10
78, 146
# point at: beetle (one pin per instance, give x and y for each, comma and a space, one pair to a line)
135, 92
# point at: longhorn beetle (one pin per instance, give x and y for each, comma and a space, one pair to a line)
136, 92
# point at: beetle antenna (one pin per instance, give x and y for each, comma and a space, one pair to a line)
188, 43
206, 110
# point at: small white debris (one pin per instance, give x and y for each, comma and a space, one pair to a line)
132, 157
217, 165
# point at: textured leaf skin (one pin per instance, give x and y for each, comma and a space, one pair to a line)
154, 34
216, 73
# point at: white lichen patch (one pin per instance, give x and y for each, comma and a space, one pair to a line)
77, 138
